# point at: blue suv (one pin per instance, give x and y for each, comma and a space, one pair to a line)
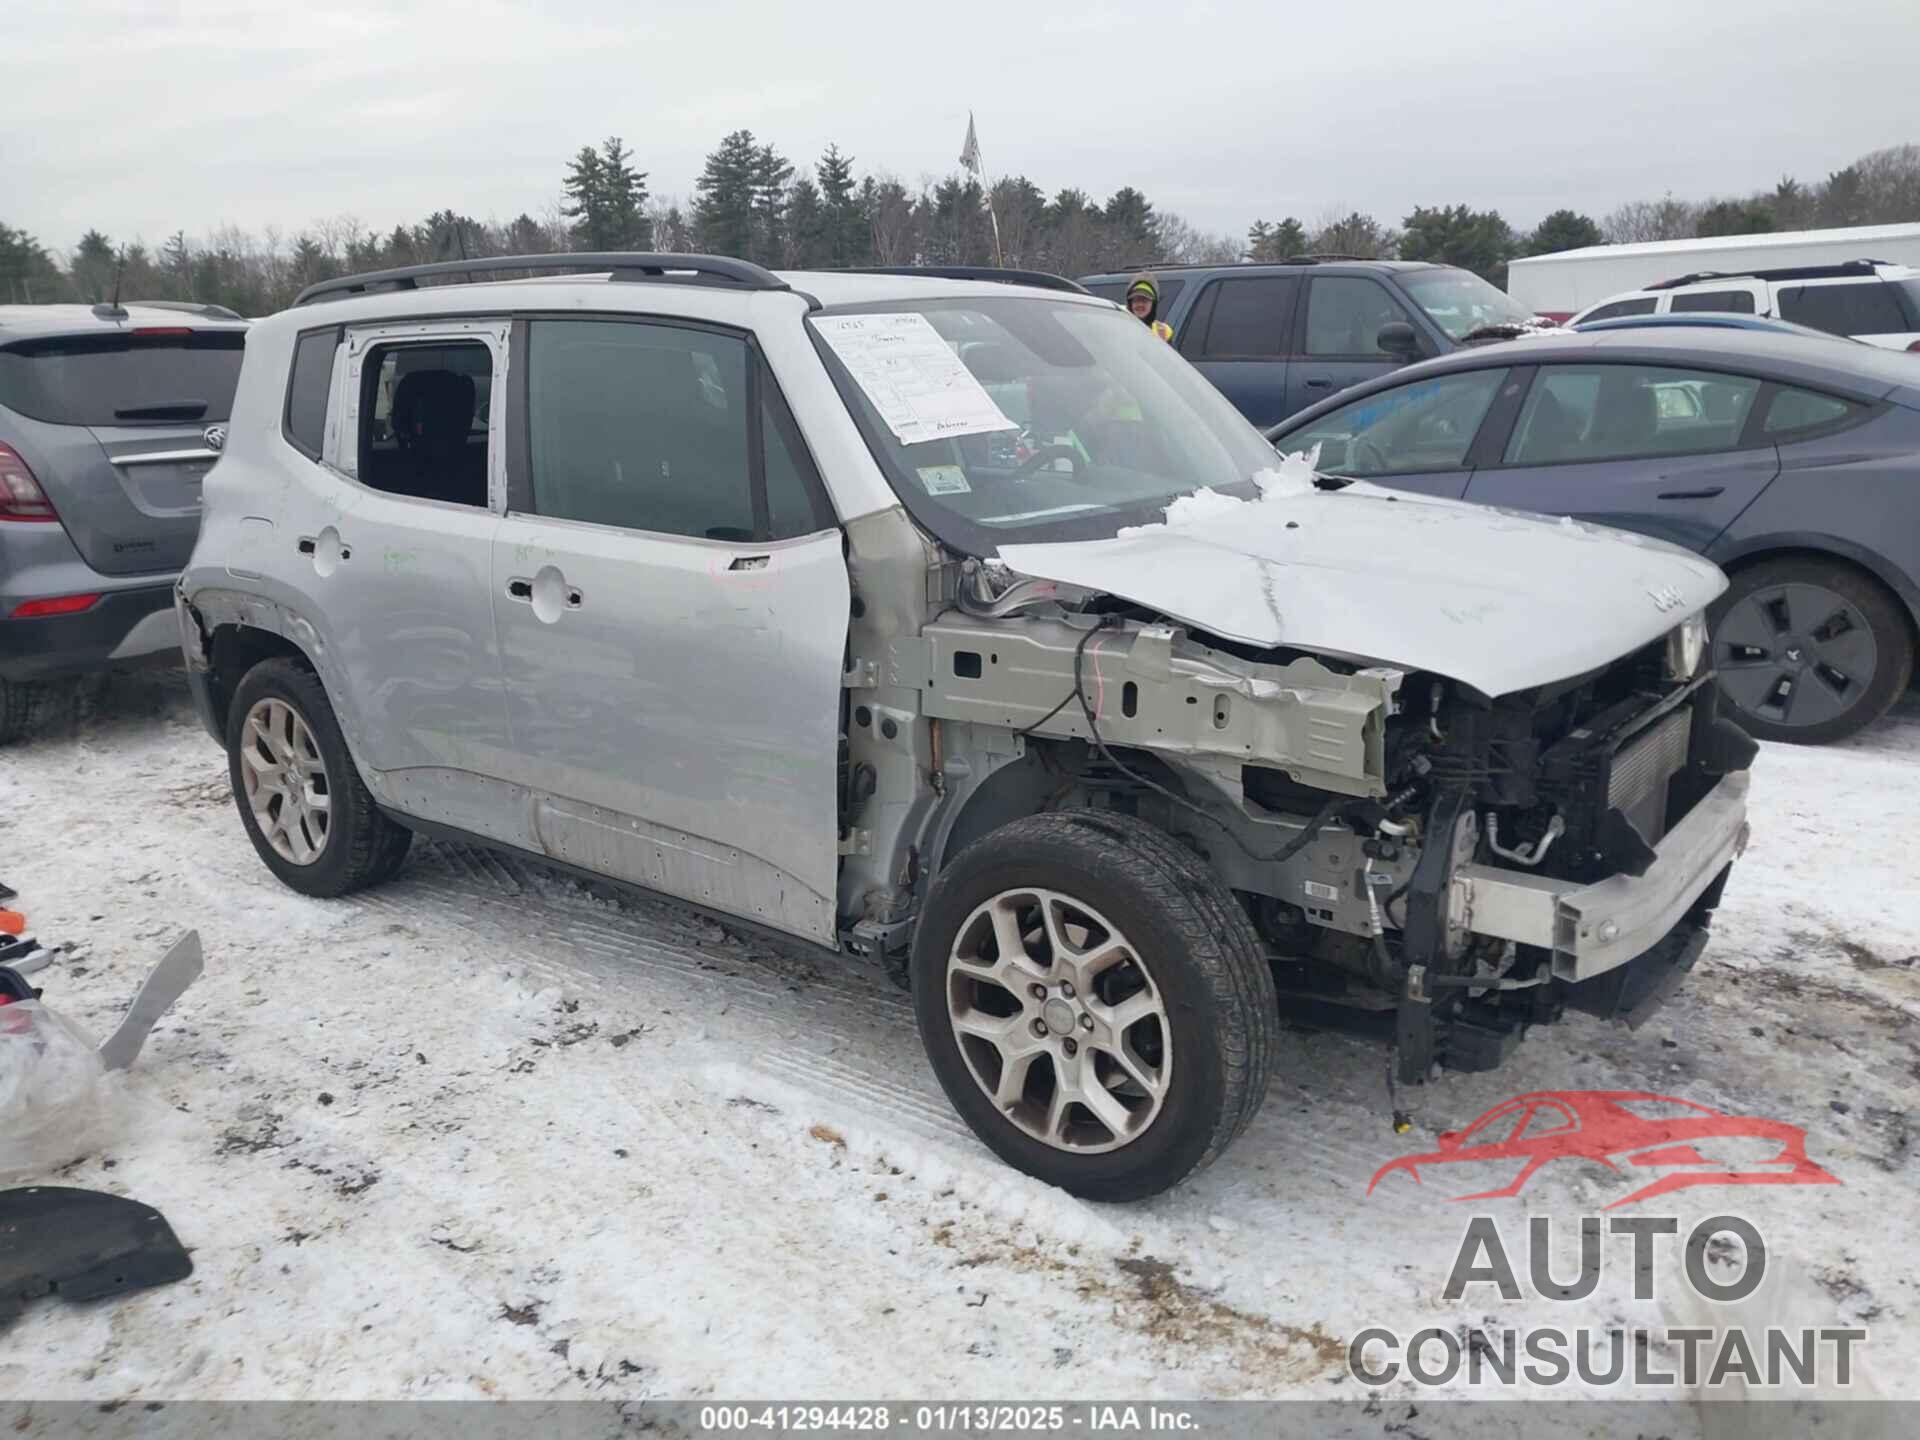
1276, 338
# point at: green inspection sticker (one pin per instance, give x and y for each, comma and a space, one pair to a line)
945, 480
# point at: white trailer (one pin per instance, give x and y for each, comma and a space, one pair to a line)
1561, 285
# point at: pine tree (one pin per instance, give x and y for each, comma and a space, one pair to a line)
623, 201
94, 266
807, 240
723, 215
1280, 241
771, 171
847, 235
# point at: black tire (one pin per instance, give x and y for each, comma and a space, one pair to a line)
1760, 606
363, 847
19, 708
1205, 961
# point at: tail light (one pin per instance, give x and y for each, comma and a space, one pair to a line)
1914, 348
21, 497
56, 605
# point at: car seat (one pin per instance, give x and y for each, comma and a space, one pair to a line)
432, 420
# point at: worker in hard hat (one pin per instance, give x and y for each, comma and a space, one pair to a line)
1143, 302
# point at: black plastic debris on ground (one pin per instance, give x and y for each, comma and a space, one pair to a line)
81, 1245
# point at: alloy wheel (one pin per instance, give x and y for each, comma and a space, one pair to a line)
1059, 1020
285, 781
1795, 654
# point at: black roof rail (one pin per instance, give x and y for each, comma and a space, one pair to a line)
1039, 279
621, 265
1839, 270
1321, 258
1152, 266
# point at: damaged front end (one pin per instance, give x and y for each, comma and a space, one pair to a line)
1420, 857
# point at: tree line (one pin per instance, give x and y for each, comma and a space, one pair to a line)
753, 202
1882, 188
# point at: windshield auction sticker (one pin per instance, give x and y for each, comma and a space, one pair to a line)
916, 382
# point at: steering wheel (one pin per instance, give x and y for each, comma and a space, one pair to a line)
1367, 455
1047, 454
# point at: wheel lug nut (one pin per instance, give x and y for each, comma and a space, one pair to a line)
1040, 1028
1070, 1047
1039, 992
1066, 988
1086, 1022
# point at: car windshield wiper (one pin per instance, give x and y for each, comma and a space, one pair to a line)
170, 410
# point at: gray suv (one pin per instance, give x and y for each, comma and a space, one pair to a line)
963, 626
110, 416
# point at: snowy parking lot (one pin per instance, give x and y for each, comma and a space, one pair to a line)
487, 1133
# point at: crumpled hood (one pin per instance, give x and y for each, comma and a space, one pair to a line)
1499, 600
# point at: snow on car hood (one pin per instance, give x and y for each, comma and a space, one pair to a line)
1497, 599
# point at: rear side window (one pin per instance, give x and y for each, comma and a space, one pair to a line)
1605, 412
1251, 319
1867, 307
1735, 302
1643, 306
164, 377
1344, 316
1792, 411
642, 426
1427, 425
308, 389
423, 425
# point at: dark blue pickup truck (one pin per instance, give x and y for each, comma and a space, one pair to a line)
1276, 338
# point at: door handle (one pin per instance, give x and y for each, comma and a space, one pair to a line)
519, 589
1705, 492
750, 562
305, 545
1320, 382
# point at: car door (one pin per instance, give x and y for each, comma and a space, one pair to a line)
1666, 451
1415, 436
398, 562
1237, 335
1338, 342
672, 601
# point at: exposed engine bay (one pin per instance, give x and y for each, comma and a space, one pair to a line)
1417, 856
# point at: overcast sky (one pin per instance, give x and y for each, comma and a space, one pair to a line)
142, 117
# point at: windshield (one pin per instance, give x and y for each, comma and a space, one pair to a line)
1460, 302
1059, 421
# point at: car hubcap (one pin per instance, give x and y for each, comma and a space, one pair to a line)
285, 781
1794, 655
1059, 1020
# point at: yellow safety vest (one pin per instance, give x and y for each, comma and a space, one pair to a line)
1163, 330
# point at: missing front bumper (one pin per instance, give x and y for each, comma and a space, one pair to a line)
1592, 929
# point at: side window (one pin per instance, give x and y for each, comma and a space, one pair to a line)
1250, 319
796, 501
1604, 412
1736, 302
1643, 306
309, 387
1546, 1120
640, 425
423, 419
1867, 307
1791, 411
1428, 425
1345, 313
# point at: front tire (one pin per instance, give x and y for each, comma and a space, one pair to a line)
1094, 1002
1809, 650
302, 801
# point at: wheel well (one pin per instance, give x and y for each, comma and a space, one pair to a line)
236, 649
1828, 557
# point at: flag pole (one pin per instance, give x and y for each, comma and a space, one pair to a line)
970, 157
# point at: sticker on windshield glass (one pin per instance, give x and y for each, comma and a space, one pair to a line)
912, 376
945, 480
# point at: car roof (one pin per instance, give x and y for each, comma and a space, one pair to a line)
1707, 320
1832, 363
1256, 267
19, 322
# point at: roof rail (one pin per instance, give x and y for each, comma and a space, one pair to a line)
1152, 265
1039, 279
621, 265
1320, 258
1838, 270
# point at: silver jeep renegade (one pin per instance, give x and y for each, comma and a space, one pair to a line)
962, 625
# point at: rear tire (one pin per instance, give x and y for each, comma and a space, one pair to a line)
20, 703
1809, 650
1170, 1089
357, 845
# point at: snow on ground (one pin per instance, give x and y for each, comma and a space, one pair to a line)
484, 1132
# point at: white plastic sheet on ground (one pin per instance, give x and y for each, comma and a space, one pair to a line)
55, 1097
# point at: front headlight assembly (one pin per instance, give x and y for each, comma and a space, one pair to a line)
1687, 647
